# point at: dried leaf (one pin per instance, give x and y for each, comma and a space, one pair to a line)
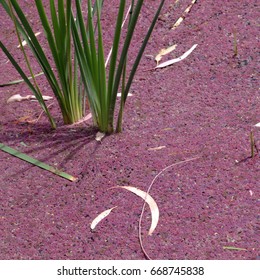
100, 217
18, 97
100, 136
14, 98
150, 201
187, 10
24, 43
156, 148
163, 52
234, 248
172, 61
178, 22
119, 94
88, 117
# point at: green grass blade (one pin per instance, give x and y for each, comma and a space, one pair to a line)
86, 74
28, 35
131, 28
48, 33
102, 90
36, 162
92, 44
30, 85
115, 46
141, 51
125, 90
19, 81
32, 42
83, 31
55, 22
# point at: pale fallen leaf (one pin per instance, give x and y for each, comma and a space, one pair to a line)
163, 52
156, 148
24, 43
88, 116
172, 61
119, 94
14, 98
18, 97
100, 217
44, 97
180, 19
234, 248
84, 119
150, 201
257, 125
100, 136
178, 22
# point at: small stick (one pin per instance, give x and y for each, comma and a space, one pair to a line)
149, 188
253, 145
235, 43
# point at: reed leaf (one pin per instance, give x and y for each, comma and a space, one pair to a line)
77, 48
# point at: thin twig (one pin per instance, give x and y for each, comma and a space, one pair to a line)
36, 120
142, 213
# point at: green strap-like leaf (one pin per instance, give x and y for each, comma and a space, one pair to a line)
20, 80
141, 51
36, 162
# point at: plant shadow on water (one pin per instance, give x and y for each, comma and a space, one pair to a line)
65, 142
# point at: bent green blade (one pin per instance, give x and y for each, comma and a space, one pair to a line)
36, 162
19, 81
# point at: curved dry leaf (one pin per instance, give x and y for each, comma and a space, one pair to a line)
163, 52
170, 62
100, 217
150, 201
